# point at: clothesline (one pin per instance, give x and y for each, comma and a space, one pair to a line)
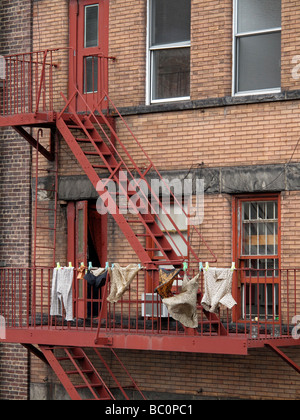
185, 266
181, 306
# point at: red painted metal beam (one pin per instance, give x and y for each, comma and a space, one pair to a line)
284, 357
187, 344
28, 119
33, 142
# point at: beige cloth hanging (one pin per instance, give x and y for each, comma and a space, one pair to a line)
120, 280
183, 307
218, 288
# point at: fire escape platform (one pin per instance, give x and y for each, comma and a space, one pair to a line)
231, 344
29, 119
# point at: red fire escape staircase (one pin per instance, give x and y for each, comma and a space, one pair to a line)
82, 381
88, 138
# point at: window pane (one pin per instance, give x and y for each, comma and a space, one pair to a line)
171, 73
271, 210
260, 300
259, 62
91, 26
80, 232
171, 21
246, 213
260, 228
254, 15
90, 74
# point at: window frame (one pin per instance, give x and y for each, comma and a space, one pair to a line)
242, 279
150, 61
235, 71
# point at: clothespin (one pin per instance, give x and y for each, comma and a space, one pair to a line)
82, 264
200, 266
70, 265
58, 265
106, 265
140, 266
233, 266
90, 265
206, 266
185, 266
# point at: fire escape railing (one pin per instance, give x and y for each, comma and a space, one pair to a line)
29, 81
270, 309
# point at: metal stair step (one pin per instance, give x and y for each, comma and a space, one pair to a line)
75, 372
83, 386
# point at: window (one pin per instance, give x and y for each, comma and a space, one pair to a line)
91, 40
169, 50
257, 46
258, 238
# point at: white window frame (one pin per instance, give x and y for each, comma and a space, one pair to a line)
237, 35
149, 62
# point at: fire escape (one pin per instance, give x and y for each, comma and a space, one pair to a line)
30, 102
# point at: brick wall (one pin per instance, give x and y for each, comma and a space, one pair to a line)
15, 156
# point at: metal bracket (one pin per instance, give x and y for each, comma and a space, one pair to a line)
283, 357
33, 142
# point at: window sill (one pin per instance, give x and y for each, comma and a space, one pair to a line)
186, 105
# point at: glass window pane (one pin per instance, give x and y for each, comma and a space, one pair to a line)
254, 249
246, 240
91, 26
253, 211
80, 232
270, 210
254, 15
246, 214
271, 238
171, 21
259, 62
171, 73
90, 74
261, 211
262, 239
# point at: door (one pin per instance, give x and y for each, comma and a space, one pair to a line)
87, 243
89, 45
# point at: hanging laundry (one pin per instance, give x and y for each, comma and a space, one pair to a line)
96, 277
166, 280
120, 280
81, 272
62, 293
218, 289
183, 307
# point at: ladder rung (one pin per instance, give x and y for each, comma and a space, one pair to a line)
45, 247
45, 228
43, 209
50, 171
44, 189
